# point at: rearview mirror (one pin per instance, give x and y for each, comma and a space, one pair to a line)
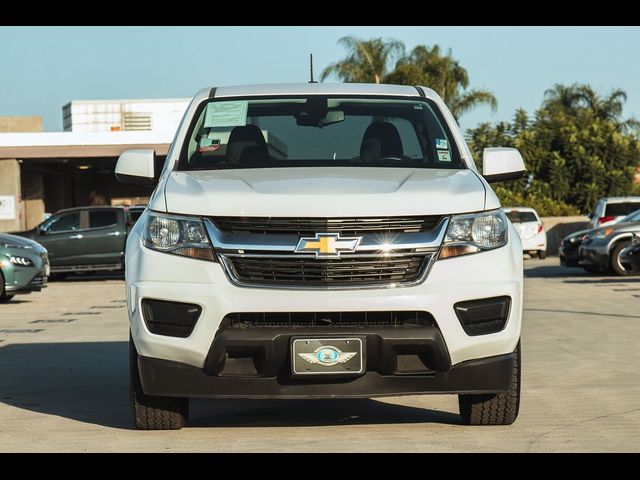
334, 116
137, 167
502, 163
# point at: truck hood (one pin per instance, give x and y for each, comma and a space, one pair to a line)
324, 192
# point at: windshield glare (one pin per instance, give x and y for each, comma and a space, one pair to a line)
319, 131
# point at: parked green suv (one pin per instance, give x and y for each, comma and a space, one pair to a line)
24, 266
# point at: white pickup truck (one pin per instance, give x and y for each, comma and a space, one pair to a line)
322, 241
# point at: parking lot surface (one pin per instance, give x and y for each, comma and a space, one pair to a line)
64, 382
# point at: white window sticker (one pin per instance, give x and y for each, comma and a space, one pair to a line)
444, 156
7, 207
226, 114
441, 143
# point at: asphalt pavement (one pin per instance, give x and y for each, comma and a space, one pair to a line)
64, 383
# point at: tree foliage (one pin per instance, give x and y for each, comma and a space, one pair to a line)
577, 148
368, 61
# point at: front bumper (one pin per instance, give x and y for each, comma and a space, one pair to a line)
568, 253
595, 254
167, 378
25, 279
155, 275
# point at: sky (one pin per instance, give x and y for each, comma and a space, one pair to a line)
43, 68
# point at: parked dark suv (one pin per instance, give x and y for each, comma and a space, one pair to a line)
86, 238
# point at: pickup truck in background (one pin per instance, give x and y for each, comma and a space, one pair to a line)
86, 239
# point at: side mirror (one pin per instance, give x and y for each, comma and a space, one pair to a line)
137, 167
502, 163
590, 214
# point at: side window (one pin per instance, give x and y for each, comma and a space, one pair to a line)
63, 223
102, 218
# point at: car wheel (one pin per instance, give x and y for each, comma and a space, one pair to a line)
616, 265
494, 409
4, 297
542, 254
152, 412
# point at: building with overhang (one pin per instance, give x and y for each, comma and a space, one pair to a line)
47, 171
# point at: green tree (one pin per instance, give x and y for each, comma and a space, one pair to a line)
366, 62
577, 148
442, 73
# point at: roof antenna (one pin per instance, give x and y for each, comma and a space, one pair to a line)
311, 68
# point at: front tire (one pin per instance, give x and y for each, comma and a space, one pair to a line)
494, 409
153, 412
542, 254
616, 266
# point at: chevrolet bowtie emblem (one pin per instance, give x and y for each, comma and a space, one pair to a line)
327, 245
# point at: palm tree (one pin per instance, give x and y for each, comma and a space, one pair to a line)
576, 98
442, 73
366, 61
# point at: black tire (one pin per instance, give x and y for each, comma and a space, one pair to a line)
542, 254
4, 297
494, 409
153, 412
614, 259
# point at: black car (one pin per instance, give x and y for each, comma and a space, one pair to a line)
630, 256
569, 246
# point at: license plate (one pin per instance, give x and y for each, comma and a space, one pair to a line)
47, 271
322, 356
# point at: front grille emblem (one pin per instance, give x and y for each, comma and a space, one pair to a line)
327, 245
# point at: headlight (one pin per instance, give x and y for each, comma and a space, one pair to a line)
475, 233
179, 235
603, 233
9, 245
20, 261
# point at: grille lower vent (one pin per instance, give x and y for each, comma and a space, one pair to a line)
327, 319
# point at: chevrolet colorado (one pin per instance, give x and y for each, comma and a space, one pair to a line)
322, 241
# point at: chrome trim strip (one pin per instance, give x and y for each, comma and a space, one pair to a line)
223, 241
311, 256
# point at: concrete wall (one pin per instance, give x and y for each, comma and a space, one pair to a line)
10, 185
559, 227
21, 124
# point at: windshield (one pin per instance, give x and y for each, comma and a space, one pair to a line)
633, 217
319, 131
521, 217
617, 209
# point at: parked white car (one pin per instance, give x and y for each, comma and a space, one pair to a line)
322, 241
529, 226
609, 210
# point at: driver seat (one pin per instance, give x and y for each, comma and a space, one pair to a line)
381, 139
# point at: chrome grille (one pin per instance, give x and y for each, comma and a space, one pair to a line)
350, 270
311, 226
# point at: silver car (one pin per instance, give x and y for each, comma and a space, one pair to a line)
24, 266
601, 248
